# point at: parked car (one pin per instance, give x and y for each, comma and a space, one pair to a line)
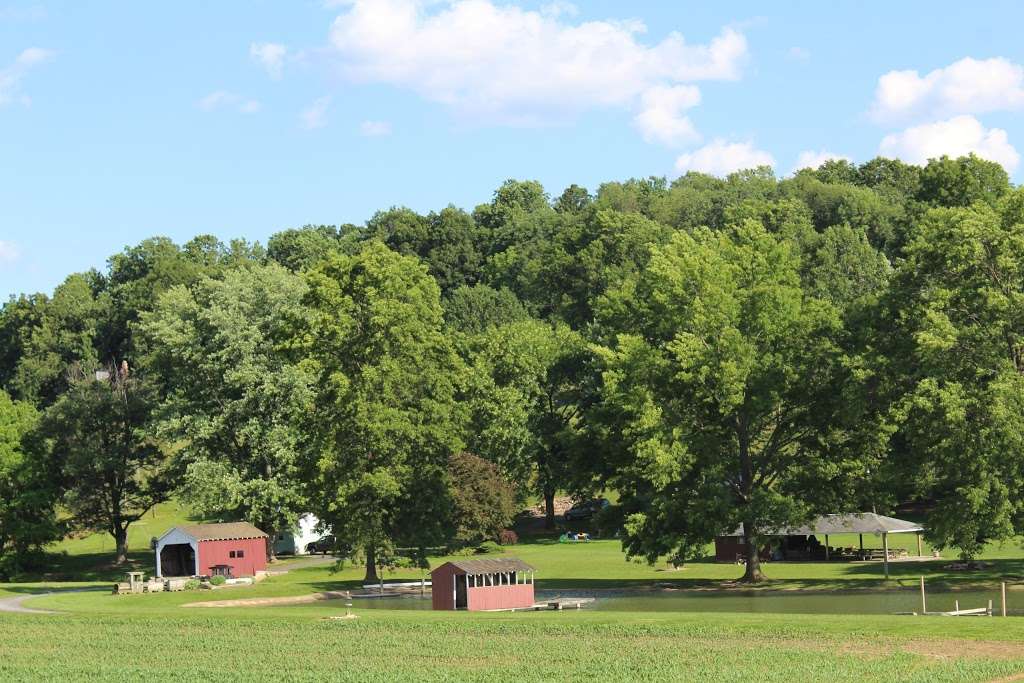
586, 510
322, 545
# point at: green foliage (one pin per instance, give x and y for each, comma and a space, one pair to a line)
724, 378
218, 580
385, 381
488, 547
192, 584
234, 403
483, 502
474, 310
27, 492
112, 470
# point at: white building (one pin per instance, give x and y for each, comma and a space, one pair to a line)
295, 542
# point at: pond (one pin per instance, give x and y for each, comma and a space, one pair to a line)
881, 602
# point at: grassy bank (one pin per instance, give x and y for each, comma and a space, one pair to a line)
300, 645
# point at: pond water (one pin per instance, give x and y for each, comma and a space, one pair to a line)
887, 602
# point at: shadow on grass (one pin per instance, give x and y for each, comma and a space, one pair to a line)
88, 567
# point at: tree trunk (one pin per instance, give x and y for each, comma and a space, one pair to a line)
371, 566
753, 556
271, 538
549, 508
121, 541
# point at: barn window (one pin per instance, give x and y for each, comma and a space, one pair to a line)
239, 553
231, 554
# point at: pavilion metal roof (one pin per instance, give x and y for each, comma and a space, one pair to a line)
850, 523
491, 566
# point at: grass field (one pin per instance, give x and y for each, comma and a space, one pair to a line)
301, 645
152, 637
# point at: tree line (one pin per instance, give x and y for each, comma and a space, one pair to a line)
748, 350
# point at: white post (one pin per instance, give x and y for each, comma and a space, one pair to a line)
885, 549
1004, 598
924, 605
455, 591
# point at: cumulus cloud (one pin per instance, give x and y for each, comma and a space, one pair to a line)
516, 66
813, 159
721, 158
661, 117
315, 116
12, 75
955, 137
270, 56
969, 86
374, 129
8, 252
222, 99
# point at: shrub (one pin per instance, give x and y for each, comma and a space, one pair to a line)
508, 537
488, 547
192, 584
485, 502
218, 580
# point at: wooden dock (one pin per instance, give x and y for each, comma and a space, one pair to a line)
553, 604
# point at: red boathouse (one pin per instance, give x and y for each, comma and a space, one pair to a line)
477, 585
234, 549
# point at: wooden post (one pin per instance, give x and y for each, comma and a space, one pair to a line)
956, 607
861, 545
885, 548
826, 547
924, 604
919, 553
1004, 598
423, 586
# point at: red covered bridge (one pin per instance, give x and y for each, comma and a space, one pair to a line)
476, 585
231, 549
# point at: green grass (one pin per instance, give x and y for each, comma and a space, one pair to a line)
300, 645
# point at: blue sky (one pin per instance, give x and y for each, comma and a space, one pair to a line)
123, 120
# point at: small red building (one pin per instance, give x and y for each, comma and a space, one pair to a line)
234, 549
477, 585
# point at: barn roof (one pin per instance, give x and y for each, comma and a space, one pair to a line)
226, 531
852, 523
495, 566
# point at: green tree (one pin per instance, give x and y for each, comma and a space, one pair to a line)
960, 302
724, 381
234, 404
387, 420
527, 395
484, 503
27, 488
112, 470
962, 182
474, 310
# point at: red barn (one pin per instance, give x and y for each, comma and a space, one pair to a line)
476, 585
232, 549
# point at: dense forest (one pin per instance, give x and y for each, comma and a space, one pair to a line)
748, 350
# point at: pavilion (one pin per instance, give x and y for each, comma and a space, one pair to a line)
729, 546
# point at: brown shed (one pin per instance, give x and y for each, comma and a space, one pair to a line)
477, 585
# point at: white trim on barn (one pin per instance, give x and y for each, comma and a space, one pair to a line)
176, 536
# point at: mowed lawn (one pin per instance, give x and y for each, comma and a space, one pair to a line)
294, 644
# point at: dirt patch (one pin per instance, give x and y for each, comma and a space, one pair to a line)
965, 649
264, 602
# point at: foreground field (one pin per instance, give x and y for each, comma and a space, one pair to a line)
294, 644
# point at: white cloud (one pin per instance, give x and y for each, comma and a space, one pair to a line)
661, 116
507, 64
373, 129
813, 159
222, 99
800, 53
955, 137
315, 116
969, 86
722, 158
8, 252
11, 76
270, 56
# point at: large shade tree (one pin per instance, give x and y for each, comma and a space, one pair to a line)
113, 471
386, 419
724, 382
233, 401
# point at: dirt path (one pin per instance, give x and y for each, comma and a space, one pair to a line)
15, 603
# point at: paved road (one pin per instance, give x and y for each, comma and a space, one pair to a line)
14, 603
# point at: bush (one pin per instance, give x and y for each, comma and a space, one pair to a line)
485, 502
508, 537
192, 584
218, 580
488, 547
